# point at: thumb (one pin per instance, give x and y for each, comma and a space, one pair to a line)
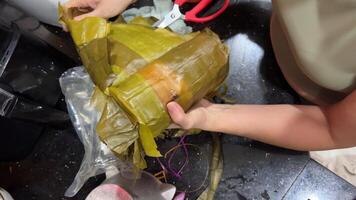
94, 13
178, 115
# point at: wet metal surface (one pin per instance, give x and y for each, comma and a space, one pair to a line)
257, 171
316, 182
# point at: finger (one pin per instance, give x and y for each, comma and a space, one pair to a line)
111, 11
93, 3
93, 13
76, 4
178, 115
122, 7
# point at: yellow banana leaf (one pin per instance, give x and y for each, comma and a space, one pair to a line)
140, 69
216, 170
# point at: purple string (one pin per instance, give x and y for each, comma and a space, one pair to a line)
179, 173
176, 174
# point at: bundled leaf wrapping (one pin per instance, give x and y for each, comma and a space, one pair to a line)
138, 70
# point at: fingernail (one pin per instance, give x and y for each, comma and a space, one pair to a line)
171, 108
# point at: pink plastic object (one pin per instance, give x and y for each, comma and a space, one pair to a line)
109, 192
192, 14
180, 196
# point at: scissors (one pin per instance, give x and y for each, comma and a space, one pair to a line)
192, 15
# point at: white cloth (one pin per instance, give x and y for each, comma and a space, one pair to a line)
341, 161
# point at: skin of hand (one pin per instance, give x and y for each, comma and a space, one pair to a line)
100, 8
297, 127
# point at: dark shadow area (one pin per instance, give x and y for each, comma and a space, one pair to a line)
252, 18
49, 169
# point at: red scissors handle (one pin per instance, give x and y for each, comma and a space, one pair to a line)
192, 14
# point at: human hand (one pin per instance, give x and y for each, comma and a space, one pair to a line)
196, 117
100, 8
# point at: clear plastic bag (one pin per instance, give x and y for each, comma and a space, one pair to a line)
160, 9
78, 89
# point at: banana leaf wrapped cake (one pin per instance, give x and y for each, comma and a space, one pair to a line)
137, 70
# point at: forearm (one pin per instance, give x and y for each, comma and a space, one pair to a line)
289, 126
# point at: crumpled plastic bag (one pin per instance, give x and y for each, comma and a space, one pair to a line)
85, 109
78, 89
140, 70
158, 11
